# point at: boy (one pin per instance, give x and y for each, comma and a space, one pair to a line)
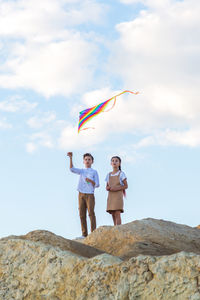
88, 181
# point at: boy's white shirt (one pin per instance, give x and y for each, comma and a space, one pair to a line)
83, 186
121, 178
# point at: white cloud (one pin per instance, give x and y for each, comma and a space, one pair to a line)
31, 147
149, 3
39, 120
70, 139
128, 154
158, 53
17, 104
50, 57
46, 19
50, 69
189, 138
4, 124
45, 131
39, 139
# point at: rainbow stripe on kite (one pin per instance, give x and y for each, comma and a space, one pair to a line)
86, 115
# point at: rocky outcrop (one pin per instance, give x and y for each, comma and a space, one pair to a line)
147, 236
54, 240
34, 271
36, 267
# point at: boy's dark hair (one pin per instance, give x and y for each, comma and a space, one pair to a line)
88, 154
119, 161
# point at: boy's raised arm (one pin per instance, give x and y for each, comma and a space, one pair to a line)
70, 154
71, 166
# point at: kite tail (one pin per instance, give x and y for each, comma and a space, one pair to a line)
86, 128
115, 97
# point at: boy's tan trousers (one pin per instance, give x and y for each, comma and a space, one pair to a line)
87, 202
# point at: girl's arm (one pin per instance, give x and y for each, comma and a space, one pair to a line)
121, 188
107, 187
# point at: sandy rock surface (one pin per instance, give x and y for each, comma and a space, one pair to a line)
54, 240
40, 266
34, 271
147, 236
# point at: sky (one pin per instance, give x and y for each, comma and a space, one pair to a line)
58, 57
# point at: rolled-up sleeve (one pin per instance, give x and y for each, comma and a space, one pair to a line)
76, 170
107, 178
96, 179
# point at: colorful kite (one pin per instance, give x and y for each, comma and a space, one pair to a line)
89, 113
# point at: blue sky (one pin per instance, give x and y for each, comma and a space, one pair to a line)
59, 57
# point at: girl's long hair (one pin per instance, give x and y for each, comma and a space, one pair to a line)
124, 192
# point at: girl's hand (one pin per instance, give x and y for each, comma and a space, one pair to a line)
107, 188
114, 189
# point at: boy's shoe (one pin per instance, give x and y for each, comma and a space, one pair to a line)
80, 237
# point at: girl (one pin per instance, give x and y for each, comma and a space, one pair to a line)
116, 186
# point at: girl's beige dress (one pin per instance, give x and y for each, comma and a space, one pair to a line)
115, 199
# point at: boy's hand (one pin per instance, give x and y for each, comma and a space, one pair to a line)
69, 154
89, 180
